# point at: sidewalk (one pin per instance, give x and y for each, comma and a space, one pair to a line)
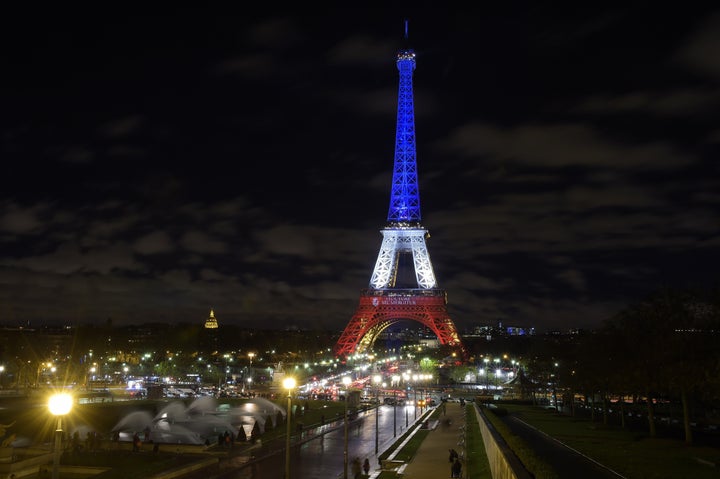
431, 460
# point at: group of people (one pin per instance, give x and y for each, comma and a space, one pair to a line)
92, 442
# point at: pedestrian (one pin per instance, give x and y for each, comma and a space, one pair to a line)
456, 468
366, 466
76, 442
136, 442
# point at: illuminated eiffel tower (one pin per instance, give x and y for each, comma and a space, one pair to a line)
395, 294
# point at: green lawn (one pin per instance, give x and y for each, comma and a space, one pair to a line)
477, 465
630, 453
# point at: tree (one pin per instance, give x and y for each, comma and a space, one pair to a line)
668, 340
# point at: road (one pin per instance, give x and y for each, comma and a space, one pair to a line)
319, 455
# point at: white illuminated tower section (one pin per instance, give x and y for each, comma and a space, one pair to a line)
403, 284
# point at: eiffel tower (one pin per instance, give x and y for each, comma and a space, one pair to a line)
396, 294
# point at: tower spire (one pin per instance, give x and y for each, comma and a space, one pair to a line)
405, 193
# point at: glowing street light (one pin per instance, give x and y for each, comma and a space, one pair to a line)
289, 384
346, 381
59, 405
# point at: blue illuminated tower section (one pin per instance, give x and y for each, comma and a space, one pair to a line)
405, 194
403, 233
396, 294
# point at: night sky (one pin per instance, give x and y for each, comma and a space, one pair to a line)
154, 167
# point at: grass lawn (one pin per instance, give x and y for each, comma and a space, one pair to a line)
630, 453
477, 465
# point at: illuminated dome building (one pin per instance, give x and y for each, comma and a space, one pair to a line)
211, 322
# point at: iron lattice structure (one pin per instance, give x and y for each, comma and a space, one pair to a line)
388, 300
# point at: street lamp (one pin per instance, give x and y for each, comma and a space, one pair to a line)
346, 381
487, 373
289, 384
415, 379
396, 380
59, 405
406, 377
376, 379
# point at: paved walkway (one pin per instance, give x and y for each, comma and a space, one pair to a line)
431, 460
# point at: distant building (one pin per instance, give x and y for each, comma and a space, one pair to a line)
208, 338
499, 331
211, 322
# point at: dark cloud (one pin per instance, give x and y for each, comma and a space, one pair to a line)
157, 169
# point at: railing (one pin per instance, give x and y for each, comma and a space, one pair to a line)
402, 292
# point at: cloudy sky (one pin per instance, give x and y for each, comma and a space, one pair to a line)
155, 167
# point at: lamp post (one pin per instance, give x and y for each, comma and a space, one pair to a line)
415, 378
59, 405
487, 373
395, 379
346, 381
376, 379
554, 388
289, 384
91, 378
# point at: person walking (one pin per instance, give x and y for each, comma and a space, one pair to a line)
456, 468
366, 466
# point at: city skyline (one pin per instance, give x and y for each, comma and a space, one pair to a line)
161, 166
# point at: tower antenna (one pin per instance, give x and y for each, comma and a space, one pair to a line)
406, 29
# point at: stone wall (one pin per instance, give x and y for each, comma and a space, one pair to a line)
504, 464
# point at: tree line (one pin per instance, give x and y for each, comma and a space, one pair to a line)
664, 349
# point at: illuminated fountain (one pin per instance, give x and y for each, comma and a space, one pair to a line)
199, 423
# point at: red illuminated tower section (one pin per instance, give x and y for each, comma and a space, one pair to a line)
403, 285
